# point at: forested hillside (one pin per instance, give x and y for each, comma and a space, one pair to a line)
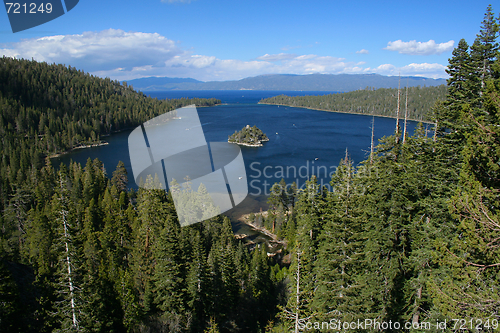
64, 107
79, 251
408, 239
378, 102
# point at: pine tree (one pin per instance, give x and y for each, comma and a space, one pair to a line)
15, 220
212, 327
129, 300
120, 179
69, 305
302, 273
260, 286
228, 265
338, 264
150, 218
169, 278
115, 237
168, 275
471, 258
11, 309
216, 295
101, 310
387, 204
463, 84
431, 176
241, 260
197, 282
485, 48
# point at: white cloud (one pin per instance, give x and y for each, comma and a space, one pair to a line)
277, 57
420, 48
387, 68
362, 51
96, 51
127, 55
435, 71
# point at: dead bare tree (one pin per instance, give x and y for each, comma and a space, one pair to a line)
66, 239
397, 112
406, 114
371, 142
294, 314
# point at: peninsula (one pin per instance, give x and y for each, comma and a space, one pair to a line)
373, 102
248, 136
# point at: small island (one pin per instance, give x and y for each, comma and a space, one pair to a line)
248, 136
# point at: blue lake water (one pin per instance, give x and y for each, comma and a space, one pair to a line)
302, 142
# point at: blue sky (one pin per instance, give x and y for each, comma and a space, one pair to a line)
228, 40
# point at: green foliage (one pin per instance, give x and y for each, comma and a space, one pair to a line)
82, 252
248, 135
378, 102
338, 265
55, 108
469, 284
10, 300
485, 48
213, 328
193, 206
281, 203
410, 235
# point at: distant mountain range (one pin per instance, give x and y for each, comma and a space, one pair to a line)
311, 82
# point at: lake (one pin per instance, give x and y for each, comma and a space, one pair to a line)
302, 142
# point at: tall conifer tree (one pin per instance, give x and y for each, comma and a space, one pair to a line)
338, 264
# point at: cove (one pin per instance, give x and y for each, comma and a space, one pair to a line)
302, 142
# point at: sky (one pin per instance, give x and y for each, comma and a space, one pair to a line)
214, 40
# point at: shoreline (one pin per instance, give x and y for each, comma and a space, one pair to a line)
249, 144
244, 218
102, 143
246, 144
346, 112
208, 106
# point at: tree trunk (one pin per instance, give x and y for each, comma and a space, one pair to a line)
416, 315
297, 306
397, 112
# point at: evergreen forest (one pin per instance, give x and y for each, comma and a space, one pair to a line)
409, 236
416, 101
251, 136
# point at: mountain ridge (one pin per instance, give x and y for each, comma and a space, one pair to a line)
289, 82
